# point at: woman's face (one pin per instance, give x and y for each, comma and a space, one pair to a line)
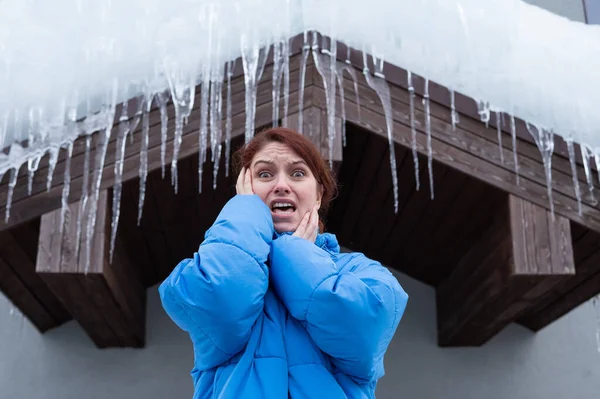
285, 183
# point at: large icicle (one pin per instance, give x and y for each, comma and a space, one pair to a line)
276, 80
101, 148
499, 134
162, 98
182, 87
84, 192
285, 53
66, 186
143, 171
254, 59
305, 54
350, 69
544, 139
573, 162
216, 96
453, 114
326, 65
229, 72
339, 73
124, 130
413, 129
427, 105
382, 89
513, 133
586, 155
12, 182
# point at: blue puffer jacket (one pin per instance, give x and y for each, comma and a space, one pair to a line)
276, 316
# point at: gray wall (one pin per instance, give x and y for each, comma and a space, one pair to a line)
560, 362
572, 9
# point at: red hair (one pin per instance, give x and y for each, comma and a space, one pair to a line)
305, 149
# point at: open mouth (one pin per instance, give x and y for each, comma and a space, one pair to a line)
282, 208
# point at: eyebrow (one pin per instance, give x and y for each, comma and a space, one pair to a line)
270, 162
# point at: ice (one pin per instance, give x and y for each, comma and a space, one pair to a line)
339, 74
66, 187
203, 131
305, 53
573, 162
382, 89
216, 96
427, 105
285, 53
499, 133
84, 192
326, 65
586, 156
162, 99
453, 114
544, 139
346, 67
254, 58
413, 129
229, 72
276, 80
513, 133
124, 130
143, 171
12, 182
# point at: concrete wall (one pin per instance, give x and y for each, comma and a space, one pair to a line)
560, 362
572, 9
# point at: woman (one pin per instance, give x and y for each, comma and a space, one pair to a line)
273, 309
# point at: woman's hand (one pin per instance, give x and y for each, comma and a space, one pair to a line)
244, 183
309, 226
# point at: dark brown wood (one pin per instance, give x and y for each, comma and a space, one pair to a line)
513, 264
107, 300
23, 286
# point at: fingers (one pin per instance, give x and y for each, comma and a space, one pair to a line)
308, 227
302, 227
243, 185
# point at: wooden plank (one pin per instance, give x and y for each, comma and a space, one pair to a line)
502, 276
105, 300
24, 268
460, 155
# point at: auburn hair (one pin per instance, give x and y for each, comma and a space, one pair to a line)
305, 149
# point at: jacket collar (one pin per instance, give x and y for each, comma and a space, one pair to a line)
325, 241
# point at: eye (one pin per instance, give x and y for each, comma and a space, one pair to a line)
298, 174
263, 174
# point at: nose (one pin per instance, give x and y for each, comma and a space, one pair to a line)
281, 185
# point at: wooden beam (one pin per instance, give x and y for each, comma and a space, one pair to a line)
107, 300
516, 261
23, 287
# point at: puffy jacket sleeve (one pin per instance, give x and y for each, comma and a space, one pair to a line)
218, 294
351, 313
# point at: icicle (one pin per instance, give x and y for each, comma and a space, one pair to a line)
426, 103
162, 98
32, 166
413, 129
276, 80
572, 160
66, 186
305, 54
219, 148
596, 306
483, 108
35, 116
545, 142
597, 160
101, 148
143, 172
253, 60
51, 166
84, 191
216, 97
453, 114
586, 154
182, 93
11, 188
327, 69
513, 132
499, 131
340, 80
350, 69
203, 131
285, 53
383, 92
230, 67
118, 168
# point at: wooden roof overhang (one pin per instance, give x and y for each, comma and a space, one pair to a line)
461, 242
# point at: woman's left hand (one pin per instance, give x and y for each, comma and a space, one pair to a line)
309, 226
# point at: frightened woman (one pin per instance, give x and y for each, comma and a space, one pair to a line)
273, 309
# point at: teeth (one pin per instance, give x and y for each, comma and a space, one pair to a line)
282, 205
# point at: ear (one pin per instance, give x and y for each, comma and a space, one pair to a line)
319, 195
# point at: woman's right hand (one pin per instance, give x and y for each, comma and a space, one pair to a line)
244, 183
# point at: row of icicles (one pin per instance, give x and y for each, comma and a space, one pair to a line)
182, 91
